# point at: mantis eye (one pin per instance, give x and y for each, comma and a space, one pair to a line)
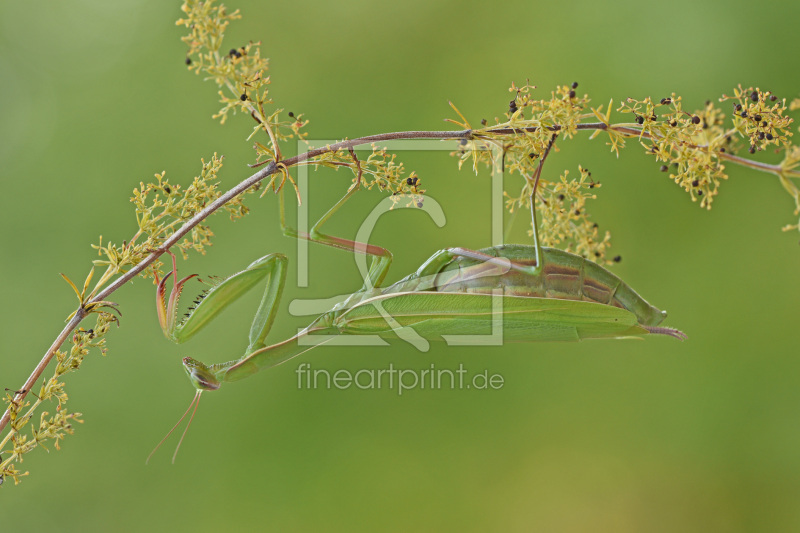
199, 374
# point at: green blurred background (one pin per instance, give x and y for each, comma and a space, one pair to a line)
617, 436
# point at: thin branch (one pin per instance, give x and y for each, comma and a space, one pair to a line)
271, 168
755, 165
267, 171
634, 132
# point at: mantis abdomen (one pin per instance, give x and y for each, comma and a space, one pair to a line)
563, 276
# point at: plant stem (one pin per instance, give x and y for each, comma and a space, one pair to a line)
194, 221
271, 168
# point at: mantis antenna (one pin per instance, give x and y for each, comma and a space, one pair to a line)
194, 403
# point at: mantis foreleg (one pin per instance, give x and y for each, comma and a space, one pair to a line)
214, 301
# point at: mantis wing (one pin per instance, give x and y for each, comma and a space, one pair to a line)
433, 314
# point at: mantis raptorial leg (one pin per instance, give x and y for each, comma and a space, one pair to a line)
213, 302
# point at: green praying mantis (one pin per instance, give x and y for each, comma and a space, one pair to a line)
534, 293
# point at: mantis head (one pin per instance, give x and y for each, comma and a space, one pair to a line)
200, 375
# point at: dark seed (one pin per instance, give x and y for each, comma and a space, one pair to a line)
419, 204
483, 122
640, 120
574, 84
291, 114
744, 114
572, 94
664, 168
738, 107
695, 183
243, 97
409, 181
188, 60
772, 98
769, 136
754, 96
665, 101
752, 149
757, 118
617, 259
695, 120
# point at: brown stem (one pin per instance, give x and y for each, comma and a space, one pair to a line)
269, 170
199, 217
755, 165
634, 132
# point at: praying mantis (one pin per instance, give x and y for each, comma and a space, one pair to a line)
537, 293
